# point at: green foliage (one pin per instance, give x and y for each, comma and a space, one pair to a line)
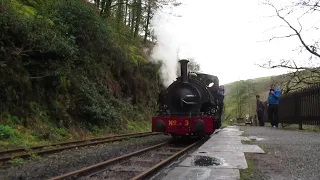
94, 104
65, 71
240, 99
6, 118
21, 9
33, 156
17, 161
5, 132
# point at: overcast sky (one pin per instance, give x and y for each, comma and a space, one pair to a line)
224, 37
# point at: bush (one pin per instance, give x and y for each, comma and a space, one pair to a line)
5, 131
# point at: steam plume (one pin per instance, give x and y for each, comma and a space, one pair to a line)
166, 50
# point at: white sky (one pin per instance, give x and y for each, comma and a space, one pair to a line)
223, 37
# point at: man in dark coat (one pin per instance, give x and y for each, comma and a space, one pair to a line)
260, 110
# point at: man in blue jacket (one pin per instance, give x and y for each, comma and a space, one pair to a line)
273, 103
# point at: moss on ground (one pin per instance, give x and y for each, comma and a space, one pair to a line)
246, 173
264, 148
244, 142
307, 128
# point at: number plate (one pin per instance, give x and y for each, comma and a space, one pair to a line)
175, 123
172, 122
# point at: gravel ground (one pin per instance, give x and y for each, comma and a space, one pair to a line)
144, 161
290, 154
112, 173
70, 160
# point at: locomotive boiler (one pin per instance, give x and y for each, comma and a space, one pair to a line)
189, 106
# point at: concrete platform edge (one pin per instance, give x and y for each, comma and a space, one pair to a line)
221, 157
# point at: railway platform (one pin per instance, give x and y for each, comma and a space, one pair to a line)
221, 157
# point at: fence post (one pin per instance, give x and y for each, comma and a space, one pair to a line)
300, 124
297, 102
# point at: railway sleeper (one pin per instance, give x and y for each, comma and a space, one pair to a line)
174, 149
142, 163
165, 153
146, 164
138, 159
134, 168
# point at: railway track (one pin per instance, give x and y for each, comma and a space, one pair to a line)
7, 155
136, 165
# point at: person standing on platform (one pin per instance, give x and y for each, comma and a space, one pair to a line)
260, 110
273, 105
221, 94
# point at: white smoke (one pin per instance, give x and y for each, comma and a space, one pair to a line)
206, 32
166, 49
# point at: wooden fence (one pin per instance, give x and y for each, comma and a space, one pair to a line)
300, 107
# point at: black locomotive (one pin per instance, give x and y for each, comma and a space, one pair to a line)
192, 95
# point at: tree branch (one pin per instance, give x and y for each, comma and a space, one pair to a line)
298, 33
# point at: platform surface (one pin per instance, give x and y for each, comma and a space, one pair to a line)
219, 158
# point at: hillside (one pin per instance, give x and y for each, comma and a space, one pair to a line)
70, 70
240, 95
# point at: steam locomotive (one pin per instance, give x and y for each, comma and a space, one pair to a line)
190, 106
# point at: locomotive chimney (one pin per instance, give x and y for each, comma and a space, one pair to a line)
184, 70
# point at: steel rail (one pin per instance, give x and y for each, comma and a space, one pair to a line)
104, 163
162, 163
49, 151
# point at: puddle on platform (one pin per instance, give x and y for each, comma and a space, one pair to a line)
206, 161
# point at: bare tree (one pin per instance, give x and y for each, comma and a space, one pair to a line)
303, 75
193, 66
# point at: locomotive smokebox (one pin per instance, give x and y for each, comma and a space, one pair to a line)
184, 70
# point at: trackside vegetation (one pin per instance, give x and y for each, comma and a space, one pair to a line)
67, 72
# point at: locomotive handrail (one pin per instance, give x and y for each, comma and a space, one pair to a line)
188, 102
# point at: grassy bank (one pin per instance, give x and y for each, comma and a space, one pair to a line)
15, 135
